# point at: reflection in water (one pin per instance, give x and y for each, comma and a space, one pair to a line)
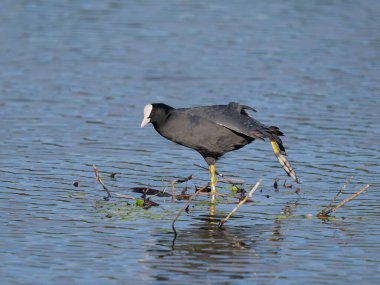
231, 253
287, 211
212, 210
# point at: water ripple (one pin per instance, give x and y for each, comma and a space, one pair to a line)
74, 82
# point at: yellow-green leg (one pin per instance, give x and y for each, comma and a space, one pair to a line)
213, 183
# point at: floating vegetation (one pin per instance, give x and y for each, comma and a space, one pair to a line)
77, 194
126, 211
139, 206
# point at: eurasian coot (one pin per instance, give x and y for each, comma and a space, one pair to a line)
213, 131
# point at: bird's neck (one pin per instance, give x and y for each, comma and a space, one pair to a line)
160, 121
159, 126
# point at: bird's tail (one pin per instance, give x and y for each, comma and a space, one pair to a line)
280, 153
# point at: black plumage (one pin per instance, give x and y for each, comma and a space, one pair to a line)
214, 130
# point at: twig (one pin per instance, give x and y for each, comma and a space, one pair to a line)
221, 223
353, 196
184, 179
330, 206
173, 193
98, 179
275, 184
184, 208
162, 192
175, 181
118, 195
345, 201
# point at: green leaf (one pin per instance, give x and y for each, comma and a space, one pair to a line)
234, 189
139, 203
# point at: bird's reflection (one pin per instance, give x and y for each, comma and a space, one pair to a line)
202, 247
286, 212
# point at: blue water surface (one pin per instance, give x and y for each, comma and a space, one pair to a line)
75, 76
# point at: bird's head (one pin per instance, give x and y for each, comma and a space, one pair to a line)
155, 113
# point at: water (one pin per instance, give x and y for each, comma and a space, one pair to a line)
75, 76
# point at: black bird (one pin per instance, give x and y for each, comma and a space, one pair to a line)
213, 131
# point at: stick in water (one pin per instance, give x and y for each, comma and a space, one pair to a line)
330, 206
101, 182
325, 213
184, 207
345, 201
175, 181
221, 223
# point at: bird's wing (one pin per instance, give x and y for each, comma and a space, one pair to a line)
234, 117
